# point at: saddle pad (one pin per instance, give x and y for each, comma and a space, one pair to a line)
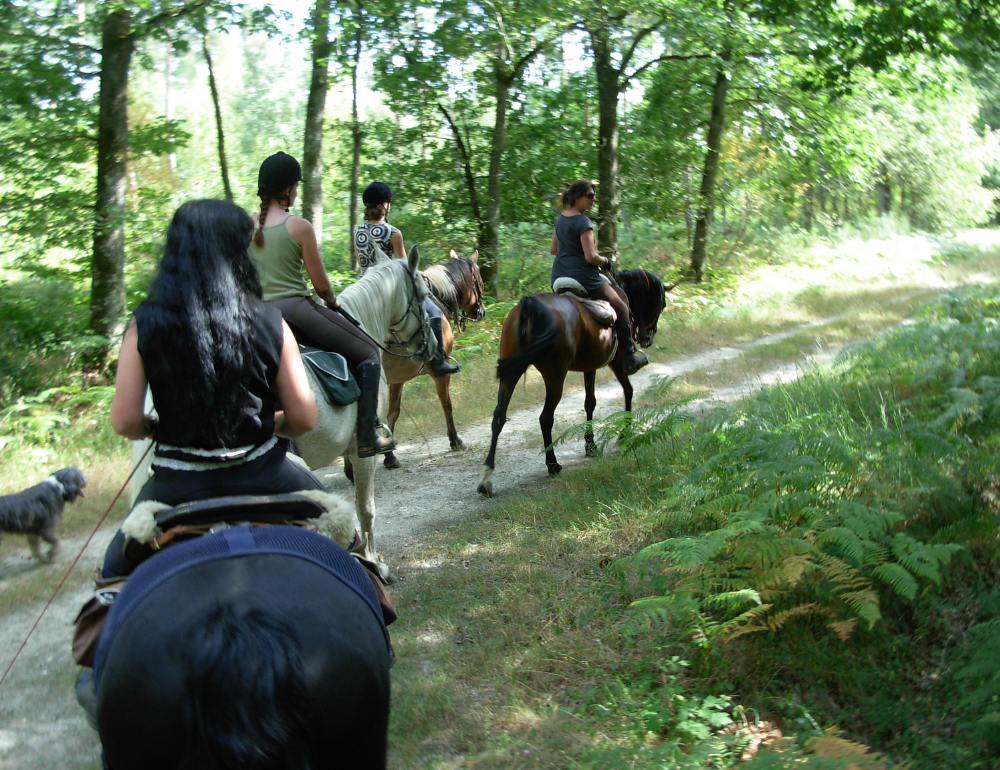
569, 286
288, 541
601, 310
333, 375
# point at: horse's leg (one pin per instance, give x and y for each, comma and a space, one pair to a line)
554, 381
499, 418
444, 396
364, 490
395, 399
618, 368
589, 402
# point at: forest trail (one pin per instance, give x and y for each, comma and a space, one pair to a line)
41, 725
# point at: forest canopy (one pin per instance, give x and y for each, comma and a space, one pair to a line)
704, 123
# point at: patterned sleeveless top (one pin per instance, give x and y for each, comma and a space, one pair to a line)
369, 240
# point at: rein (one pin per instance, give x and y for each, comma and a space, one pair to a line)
410, 303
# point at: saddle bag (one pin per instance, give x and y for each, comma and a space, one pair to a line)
89, 623
332, 374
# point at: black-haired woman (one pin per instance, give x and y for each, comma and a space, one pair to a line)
224, 370
376, 239
576, 257
282, 245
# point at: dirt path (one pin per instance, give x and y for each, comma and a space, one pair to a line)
42, 727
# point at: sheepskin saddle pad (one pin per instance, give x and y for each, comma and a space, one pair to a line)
602, 311
152, 525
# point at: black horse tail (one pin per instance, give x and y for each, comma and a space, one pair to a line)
247, 701
536, 334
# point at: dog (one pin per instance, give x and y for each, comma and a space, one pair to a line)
36, 511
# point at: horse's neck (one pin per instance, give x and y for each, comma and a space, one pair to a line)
370, 301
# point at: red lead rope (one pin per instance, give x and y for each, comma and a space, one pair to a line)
72, 566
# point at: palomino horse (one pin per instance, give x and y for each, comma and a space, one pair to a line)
388, 302
457, 287
253, 647
557, 334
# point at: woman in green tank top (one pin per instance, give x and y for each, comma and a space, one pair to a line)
282, 246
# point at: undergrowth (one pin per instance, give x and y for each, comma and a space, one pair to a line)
829, 546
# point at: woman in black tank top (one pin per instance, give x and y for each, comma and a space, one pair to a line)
224, 370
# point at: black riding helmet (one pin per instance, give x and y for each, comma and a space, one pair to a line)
278, 172
376, 194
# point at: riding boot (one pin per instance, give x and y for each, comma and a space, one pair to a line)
440, 366
369, 442
633, 360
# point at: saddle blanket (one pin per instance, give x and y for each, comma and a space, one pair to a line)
601, 310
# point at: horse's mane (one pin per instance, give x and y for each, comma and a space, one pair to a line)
442, 285
370, 298
645, 293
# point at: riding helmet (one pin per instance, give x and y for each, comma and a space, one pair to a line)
277, 172
376, 194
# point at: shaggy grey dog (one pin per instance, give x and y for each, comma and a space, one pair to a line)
36, 511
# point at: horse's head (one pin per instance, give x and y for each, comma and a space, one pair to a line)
647, 297
472, 293
410, 330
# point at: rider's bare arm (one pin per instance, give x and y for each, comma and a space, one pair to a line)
127, 416
303, 234
590, 249
396, 239
298, 413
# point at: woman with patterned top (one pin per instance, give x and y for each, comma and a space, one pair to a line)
282, 245
376, 240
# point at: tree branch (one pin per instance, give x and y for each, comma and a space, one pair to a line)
663, 58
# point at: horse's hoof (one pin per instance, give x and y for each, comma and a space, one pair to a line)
349, 470
590, 450
387, 575
554, 469
457, 444
391, 463
486, 490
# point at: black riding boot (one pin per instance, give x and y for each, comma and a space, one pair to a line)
632, 359
440, 366
369, 442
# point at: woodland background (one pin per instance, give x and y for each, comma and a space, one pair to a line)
708, 125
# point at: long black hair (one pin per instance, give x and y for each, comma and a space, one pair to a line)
203, 308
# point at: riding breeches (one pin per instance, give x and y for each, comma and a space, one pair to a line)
317, 325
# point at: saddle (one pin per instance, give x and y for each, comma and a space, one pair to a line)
152, 526
601, 310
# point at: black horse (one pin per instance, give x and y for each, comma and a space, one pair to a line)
251, 648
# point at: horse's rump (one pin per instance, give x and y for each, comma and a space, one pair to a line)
251, 661
536, 336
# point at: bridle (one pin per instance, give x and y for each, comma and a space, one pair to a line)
414, 307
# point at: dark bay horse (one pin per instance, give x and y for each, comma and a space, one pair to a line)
457, 287
250, 648
556, 334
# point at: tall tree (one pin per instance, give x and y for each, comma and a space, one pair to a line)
122, 27
312, 151
220, 134
356, 133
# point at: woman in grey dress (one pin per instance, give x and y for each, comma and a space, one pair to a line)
576, 257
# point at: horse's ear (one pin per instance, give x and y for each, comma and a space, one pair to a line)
475, 257
414, 259
452, 254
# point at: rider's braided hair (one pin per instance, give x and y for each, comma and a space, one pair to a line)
374, 212
204, 311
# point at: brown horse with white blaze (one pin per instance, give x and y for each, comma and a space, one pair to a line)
557, 334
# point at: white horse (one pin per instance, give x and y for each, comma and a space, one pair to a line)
388, 302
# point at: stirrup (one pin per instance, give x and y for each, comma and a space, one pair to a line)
379, 448
446, 361
635, 361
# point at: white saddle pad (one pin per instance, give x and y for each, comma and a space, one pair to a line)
601, 310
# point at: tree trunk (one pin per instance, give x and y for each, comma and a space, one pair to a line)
168, 102
218, 119
807, 210
608, 93
706, 194
470, 180
355, 140
884, 192
488, 260
107, 291
312, 151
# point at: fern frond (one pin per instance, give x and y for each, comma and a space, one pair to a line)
898, 578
